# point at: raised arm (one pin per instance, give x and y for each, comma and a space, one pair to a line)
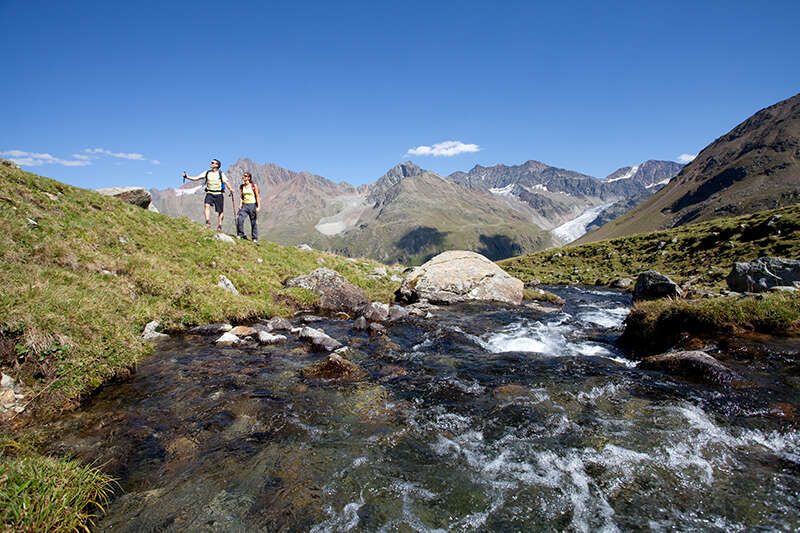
193, 178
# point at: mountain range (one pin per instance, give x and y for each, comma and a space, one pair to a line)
410, 214
754, 166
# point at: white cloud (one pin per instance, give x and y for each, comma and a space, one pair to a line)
35, 159
444, 149
686, 158
155, 162
133, 156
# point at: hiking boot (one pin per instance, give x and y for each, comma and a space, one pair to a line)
255, 241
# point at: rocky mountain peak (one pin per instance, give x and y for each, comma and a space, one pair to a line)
380, 191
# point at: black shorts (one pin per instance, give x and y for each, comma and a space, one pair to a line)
217, 200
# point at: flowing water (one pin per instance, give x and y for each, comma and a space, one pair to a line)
482, 418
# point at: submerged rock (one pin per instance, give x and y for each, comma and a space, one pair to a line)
335, 292
694, 365
651, 285
460, 276
334, 367
319, 339
360, 324
763, 273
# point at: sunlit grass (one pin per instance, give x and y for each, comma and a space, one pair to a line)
40, 493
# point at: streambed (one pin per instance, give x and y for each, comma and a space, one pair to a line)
482, 418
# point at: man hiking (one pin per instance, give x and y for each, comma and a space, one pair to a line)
251, 205
216, 182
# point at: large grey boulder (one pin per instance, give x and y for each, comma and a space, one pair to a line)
460, 276
335, 292
762, 274
133, 195
694, 365
651, 285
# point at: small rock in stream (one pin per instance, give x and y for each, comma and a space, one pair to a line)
397, 312
150, 332
319, 339
695, 365
227, 339
279, 324
243, 331
360, 324
335, 367
376, 312
269, 338
211, 329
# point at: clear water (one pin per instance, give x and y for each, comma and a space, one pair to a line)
482, 418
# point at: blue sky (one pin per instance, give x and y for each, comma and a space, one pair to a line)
111, 93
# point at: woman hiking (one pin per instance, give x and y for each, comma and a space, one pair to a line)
251, 205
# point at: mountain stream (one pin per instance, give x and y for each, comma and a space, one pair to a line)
480, 418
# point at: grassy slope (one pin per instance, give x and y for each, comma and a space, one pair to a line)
700, 253
67, 327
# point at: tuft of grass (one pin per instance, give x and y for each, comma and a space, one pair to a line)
40, 493
540, 295
83, 273
699, 254
658, 325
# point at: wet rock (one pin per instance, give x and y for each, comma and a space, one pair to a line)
334, 367
211, 329
228, 339
341, 316
133, 195
390, 372
319, 339
459, 276
224, 238
621, 283
763, 273
376, 312
693, 365
150, 332
279, 324
781, 288
311, 318
651, 285
269, 338
243, 331
360, 324
397, 312
227, 284
336, 293
377, 328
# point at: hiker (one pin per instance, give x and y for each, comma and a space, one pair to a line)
250, 206
216, 181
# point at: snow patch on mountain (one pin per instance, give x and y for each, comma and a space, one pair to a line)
662, 182
631, 173
502, 191
569, 231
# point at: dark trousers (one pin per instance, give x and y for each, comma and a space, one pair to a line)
247, 210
